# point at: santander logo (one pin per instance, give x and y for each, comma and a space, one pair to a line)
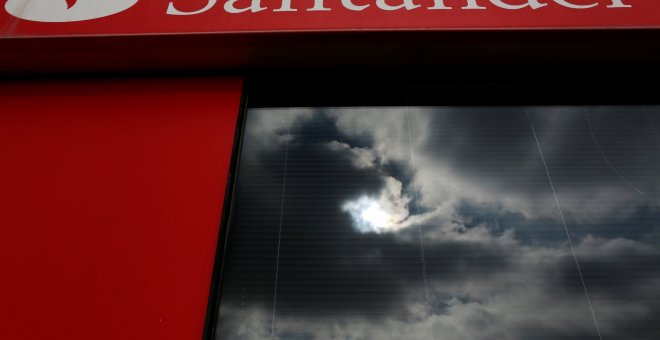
66, 10
81, 10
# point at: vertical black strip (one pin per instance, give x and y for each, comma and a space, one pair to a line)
215, 292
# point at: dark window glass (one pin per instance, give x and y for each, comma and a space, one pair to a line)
445, 223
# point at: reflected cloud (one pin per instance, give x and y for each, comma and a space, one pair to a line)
497, 260
387, 213
362, 158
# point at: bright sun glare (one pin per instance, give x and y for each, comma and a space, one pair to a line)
369, 215
375, 215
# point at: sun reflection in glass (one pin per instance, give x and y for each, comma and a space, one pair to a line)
373, 214
369, 215
385, 213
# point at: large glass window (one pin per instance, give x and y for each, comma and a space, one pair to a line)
445, 223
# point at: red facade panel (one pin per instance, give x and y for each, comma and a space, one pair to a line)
110, 209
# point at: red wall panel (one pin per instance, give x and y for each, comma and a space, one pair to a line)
110, 203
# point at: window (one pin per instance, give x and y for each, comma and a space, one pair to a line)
444, 222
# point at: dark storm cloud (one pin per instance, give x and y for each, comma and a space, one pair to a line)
320, 250
487, 137
494, 148
498, 263
333, 253
615, 267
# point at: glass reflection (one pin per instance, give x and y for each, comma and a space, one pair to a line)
445, 223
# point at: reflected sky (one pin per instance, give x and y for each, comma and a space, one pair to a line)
445, 223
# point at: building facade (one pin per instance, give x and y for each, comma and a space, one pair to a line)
317, 169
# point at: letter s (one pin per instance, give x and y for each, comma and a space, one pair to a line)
62, 11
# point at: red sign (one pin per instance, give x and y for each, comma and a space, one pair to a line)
29, 18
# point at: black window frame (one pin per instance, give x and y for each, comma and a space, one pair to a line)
455, 85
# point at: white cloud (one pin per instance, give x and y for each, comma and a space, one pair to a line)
388, 212
270, 128
362, 158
